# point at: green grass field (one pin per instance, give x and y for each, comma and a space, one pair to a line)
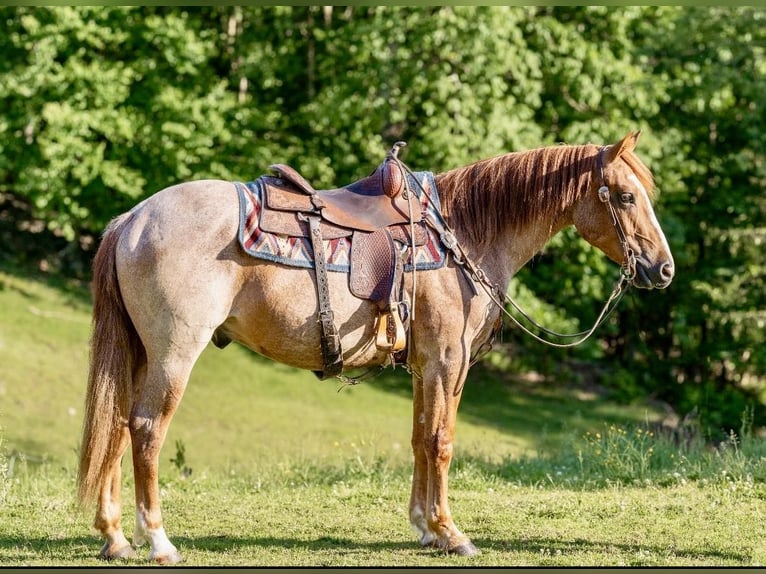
265, 465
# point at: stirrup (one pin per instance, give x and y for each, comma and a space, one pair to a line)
391, 335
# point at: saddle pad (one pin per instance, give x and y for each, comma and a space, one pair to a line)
297, 252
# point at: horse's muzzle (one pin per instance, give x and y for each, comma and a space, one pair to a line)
657, 276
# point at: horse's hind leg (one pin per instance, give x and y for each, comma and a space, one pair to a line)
109, 513
156, 402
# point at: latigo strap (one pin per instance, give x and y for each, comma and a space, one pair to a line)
332, 355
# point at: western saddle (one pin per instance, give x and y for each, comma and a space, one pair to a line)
380, 214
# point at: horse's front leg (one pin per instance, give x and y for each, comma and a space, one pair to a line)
436, 400
418, 518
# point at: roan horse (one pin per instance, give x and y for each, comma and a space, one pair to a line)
170, 274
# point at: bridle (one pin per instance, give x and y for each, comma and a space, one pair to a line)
629, 261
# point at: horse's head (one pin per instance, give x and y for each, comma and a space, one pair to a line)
616, 216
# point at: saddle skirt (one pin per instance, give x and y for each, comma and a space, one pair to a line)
262, 237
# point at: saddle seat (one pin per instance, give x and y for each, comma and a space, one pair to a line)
369, 204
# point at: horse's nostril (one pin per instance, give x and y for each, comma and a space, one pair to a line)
667, 271
666, 275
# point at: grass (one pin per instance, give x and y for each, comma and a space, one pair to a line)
348, 517
267, 466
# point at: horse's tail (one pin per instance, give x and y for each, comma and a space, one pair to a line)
114, 348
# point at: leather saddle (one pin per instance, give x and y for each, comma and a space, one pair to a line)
369, 204
378, 213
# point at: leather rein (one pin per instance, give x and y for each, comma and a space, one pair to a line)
477, 275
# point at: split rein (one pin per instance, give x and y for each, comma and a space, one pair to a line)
500, 298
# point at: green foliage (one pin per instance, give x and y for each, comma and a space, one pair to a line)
707, 335
179, 460
642, 454
105, 106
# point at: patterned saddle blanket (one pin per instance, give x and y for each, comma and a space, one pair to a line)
295, 249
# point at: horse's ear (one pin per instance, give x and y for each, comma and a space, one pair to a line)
628, 143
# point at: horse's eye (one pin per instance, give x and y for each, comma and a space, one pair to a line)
627, 198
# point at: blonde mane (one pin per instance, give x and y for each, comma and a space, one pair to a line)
484, 198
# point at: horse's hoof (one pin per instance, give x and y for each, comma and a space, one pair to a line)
465, 549
168, 559
123, 553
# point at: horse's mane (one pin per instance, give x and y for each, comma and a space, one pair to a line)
484, 198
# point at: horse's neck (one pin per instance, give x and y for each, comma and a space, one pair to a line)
505, 209
514, 247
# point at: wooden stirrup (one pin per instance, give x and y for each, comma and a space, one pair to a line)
391, 335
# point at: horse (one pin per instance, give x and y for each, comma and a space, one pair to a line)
169, 276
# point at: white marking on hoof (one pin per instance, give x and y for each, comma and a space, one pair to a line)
419, 525
162, 550
167, 559
139, 539
427, 539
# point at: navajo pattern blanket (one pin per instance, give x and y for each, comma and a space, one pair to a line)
297, 251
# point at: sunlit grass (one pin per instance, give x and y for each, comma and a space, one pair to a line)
242, 413
538, 513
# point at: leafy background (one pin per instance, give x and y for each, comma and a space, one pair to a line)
103, 106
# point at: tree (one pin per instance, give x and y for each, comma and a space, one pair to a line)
712, 62
102, 106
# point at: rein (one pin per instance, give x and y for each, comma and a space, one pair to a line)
477, 275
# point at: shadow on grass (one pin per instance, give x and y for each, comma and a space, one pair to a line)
324, 543
27, 550
540, 413
85, 549
76, 291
